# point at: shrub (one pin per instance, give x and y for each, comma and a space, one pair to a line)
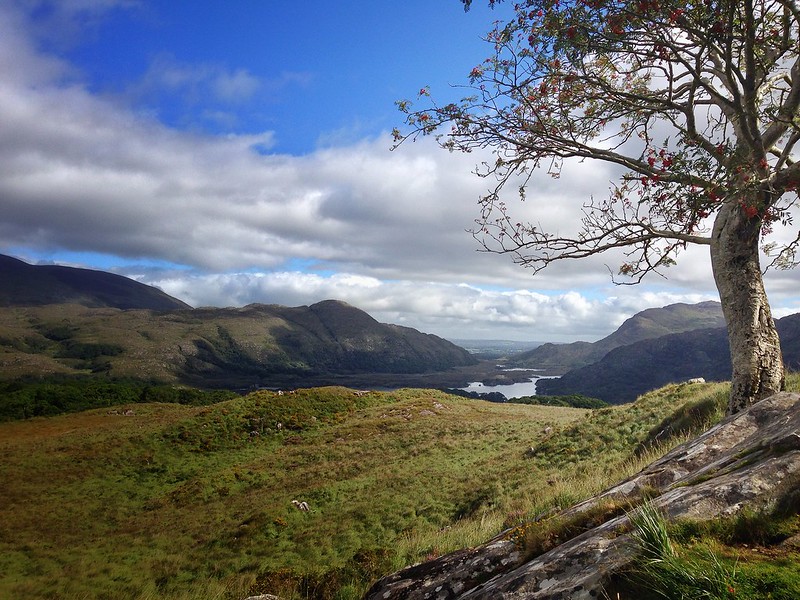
573, 400
26, 399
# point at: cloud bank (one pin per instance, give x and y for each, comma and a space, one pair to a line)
235, 224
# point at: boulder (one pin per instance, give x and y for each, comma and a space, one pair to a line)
745, 460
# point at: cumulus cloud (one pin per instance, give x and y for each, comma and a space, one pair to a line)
385, 231
456, 311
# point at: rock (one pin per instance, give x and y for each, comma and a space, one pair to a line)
792, 543
301, 506
742, 461
451, 575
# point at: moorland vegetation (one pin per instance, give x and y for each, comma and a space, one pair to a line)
232, 348
163, 500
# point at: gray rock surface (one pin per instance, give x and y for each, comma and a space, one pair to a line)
745, 460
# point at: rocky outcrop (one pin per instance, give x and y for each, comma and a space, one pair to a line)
748, 459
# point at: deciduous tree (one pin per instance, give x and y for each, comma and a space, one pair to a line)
695, 101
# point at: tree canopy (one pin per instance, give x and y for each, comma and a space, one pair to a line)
695, 102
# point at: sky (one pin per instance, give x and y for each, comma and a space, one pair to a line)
239, 151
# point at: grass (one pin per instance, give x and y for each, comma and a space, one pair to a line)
747, 556
724, 558
181, 502
98, 504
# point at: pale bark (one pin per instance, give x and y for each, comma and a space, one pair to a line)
755, 348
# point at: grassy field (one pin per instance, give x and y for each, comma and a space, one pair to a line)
167, 501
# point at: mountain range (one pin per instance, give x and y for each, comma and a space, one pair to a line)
57, 320
61, 320
648, 324
629, 370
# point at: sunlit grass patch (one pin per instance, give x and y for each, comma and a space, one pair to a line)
179, 502
710, 559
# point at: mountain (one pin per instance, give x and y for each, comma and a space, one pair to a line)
258, 344
629, 371
22, 284
648, 324
64, 320
327, 338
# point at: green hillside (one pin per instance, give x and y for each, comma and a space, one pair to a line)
150, 501
265, 345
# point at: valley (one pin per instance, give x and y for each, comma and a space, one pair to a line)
161, 482
65, 322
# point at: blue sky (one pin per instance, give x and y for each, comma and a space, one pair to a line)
239, 151
313, 73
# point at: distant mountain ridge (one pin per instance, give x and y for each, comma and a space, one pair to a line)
647, 324
62, 320
22, 284
329, 337
631, 370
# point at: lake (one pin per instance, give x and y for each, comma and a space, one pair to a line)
509, 390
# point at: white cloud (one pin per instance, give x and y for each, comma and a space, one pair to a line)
456, 311
385, 231
235, 85
196, 83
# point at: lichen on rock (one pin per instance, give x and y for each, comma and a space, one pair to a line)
738, 463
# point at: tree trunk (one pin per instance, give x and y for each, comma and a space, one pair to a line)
755, 348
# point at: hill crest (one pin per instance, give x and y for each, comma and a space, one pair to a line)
648, 324
23, 284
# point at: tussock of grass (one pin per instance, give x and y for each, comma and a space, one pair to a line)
176, 501
650, 533
738, 556
709, 559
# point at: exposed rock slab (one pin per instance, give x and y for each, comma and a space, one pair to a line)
452, 575
741, 461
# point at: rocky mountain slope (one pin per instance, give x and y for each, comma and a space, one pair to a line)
22, 284
648, 324
628, 371
750, 461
